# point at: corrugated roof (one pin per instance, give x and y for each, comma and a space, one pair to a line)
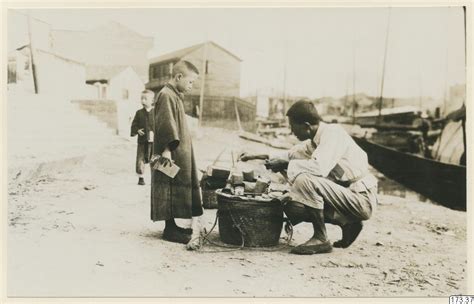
176, 55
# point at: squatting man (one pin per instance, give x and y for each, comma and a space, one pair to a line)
329, 179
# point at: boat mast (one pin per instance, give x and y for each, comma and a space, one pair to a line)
463, 162
383, 67
353, 83
203, 81
285, 71
420, 84
445, 99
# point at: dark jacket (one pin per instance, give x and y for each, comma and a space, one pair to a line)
142, 120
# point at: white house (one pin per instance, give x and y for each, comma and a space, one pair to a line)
114, 83
120, 84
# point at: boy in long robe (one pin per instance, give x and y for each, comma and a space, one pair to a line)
177, 197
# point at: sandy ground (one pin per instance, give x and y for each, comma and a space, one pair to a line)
84, 230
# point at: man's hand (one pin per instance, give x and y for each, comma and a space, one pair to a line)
276, 165
165, 158
246, 156
141, 132
154, 158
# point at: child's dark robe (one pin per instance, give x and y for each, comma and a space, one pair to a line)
179, 197
142, 120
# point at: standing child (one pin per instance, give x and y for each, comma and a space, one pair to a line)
143, 125
177, 197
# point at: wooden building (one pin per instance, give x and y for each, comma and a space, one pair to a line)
221, 74
221, 69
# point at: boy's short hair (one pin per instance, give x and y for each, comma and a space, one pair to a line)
183, 67
304, 111
148, 92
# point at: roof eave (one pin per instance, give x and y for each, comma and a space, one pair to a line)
164, 60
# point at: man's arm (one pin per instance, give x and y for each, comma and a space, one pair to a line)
276, 163
332, 146
247, 156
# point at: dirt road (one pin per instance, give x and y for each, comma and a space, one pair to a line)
86, 232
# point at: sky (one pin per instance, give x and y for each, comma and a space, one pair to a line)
309, 52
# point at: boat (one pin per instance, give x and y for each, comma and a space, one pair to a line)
442, 180
404, 117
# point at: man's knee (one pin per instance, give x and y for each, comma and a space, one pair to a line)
307, 182
296, 212
365, 215
302, 181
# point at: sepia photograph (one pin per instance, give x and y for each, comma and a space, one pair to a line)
237, 152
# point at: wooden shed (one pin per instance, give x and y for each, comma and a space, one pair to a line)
221, 69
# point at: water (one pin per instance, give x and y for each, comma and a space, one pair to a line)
387, 186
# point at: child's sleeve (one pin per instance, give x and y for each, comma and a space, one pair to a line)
166, 128
135, 125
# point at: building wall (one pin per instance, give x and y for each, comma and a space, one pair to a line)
126, 80
222, 79
59, 76
19, 69
125, 88
110, 44
223, 76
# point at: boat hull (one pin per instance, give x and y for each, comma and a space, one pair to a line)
440, 182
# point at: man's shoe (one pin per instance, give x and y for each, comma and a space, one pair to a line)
350, 232
185, 230
175, 236
141, 181
325, 247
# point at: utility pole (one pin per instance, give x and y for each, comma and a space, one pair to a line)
33, 65
203, 80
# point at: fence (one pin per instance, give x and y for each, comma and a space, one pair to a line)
104, 110
219, 111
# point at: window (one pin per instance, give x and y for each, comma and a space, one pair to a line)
104, 92
12, 72
207, 66
155, 72
125, 94
162, 71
